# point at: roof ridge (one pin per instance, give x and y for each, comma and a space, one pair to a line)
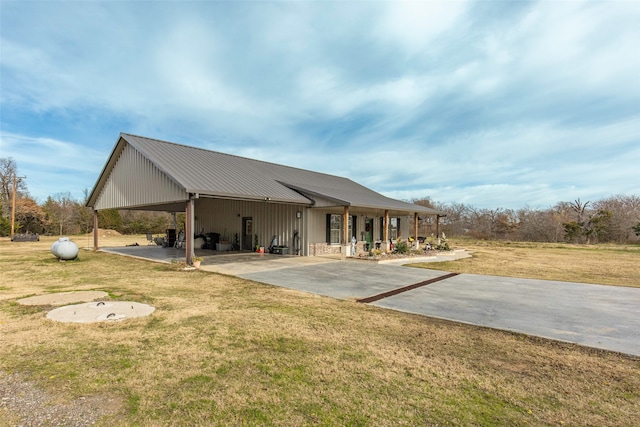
235, 156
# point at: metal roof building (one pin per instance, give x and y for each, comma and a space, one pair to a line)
215, 189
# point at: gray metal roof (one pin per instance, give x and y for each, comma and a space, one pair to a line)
210, 173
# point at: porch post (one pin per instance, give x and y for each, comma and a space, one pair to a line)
385, 231
345, 232
188, 232
415, 229
345, 228
95, 230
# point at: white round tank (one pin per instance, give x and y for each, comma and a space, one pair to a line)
54, 247
65, 249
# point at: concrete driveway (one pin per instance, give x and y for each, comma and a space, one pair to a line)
599, 316
596, 316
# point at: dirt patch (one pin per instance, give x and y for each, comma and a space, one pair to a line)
105, 232
62, 298
29, 405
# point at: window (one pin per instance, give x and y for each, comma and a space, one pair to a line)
334, 229
394, 227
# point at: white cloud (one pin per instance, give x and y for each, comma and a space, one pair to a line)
577, 43
454, 98
50, 154
413, 25
53, 166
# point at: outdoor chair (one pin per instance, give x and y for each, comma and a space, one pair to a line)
150, 240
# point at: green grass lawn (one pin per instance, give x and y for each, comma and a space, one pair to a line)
225, 351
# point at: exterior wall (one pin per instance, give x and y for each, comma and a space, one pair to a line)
135, 181
317, 223
225, 217
269, 219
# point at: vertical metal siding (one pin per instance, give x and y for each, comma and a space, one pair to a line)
405, 231
317, 225
135, 181
224, 216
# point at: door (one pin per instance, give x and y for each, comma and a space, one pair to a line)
368, 231
247, 233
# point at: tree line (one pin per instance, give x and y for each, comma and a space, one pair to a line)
62, 214
614, 219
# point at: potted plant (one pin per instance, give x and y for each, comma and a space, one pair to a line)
197, 260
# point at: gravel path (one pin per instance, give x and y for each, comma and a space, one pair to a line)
27, 405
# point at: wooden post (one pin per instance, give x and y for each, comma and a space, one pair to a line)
344, 247
95, 230
415, 229
345, 229
385, 231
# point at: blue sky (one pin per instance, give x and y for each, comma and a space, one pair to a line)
493, 103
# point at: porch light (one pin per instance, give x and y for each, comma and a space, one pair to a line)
298, 214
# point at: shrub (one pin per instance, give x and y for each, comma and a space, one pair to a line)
401, 247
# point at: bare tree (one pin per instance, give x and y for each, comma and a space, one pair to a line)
580, 209
60, 208
625, 213
9, 169
8, 173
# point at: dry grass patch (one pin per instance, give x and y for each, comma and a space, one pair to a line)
599, 264
225, 351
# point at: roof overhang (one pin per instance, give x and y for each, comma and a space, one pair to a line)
312, 195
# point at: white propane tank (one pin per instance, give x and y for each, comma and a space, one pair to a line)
54, 246
65, 249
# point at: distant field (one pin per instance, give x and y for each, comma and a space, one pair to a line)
617, 265
225, 351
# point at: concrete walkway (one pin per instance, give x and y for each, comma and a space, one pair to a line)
598, 316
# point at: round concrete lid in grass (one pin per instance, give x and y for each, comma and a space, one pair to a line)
100, 311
